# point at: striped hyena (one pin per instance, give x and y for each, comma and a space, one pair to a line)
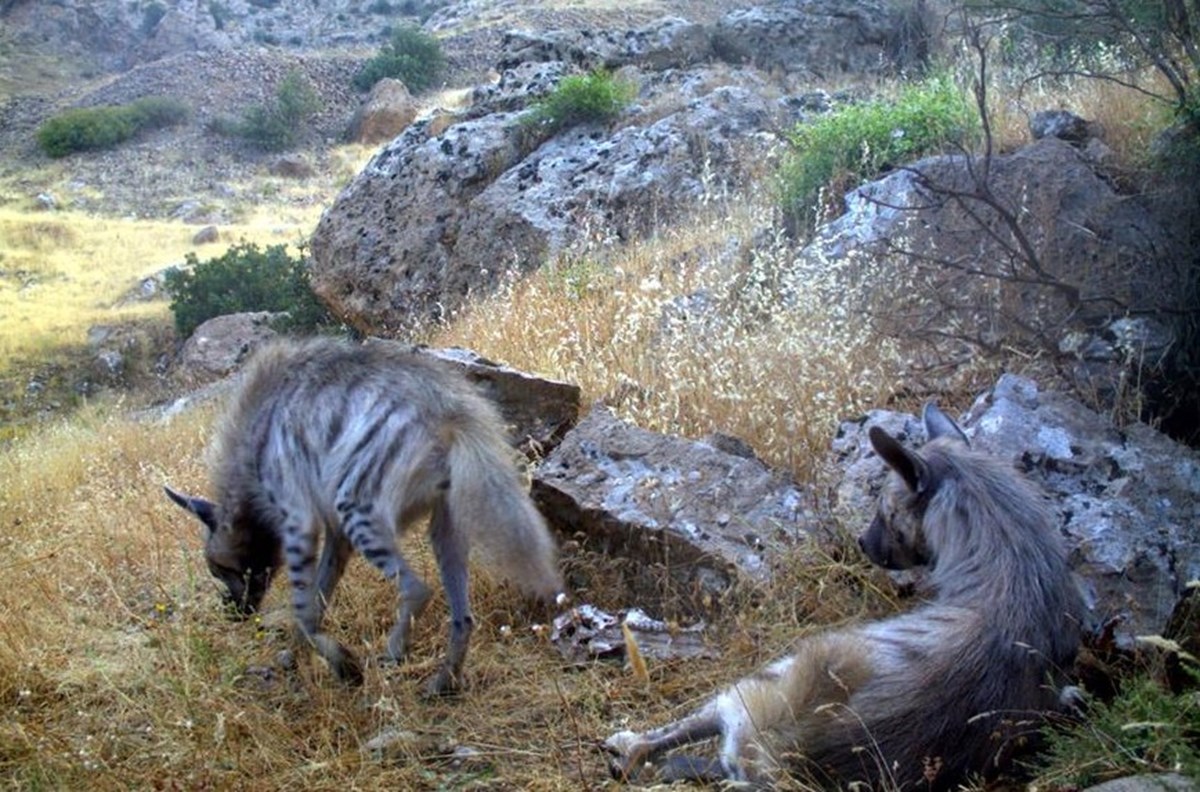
926, 698
356, 443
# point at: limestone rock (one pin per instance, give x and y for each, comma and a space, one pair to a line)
694, 518
220, 345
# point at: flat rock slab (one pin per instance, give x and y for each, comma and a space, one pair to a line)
684, 515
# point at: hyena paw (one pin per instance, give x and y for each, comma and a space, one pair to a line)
342, 661
625, 750
444, 683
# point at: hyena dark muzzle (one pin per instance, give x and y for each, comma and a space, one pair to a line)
246, 568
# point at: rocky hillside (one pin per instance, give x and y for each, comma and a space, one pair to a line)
221, 58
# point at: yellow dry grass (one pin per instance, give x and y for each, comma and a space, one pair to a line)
63, 272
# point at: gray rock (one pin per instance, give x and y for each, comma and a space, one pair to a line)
1128, 500
1160, 782
822, 38
1062, 124
908, 230
219, 346
669, 43
206, 235
695, 519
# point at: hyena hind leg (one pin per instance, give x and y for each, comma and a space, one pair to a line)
451, 550
632, 750
377, 544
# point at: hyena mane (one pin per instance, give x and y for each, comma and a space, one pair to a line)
344, 446
927, 698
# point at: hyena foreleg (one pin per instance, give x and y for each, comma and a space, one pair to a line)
451, 549
308, 604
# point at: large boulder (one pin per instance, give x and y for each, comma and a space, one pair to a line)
686, 516
1079, 252
433, 218
1128, 500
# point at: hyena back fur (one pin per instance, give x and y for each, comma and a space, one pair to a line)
356, 443
927, 698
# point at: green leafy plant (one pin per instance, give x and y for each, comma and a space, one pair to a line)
245, 278
863, 140
277, 125
92, 128
410, 55
1144, 729
597, 97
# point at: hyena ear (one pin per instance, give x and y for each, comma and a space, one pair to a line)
205, 510
908, 464
938, 424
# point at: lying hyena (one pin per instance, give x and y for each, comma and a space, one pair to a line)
356, 443
926, 698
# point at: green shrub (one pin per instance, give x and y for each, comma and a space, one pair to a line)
158, 112
245, 279
278, 125
410, 55
91, 128
862, 141
1145, 729
597, 97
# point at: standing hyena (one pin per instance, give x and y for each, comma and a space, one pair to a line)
357, 443
928, 697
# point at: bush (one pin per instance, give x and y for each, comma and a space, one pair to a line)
597, 97
91, 128
245, 279
276, 126
410, 55
1145, 729
862, 141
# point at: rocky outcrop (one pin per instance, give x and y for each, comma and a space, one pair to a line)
1128, 500
433, 218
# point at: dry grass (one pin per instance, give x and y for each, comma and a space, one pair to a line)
695, 331
117, 669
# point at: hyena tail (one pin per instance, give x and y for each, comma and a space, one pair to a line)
489, 504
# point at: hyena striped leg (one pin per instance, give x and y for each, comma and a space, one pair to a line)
377, 544
335, 552
299, 555
451, 549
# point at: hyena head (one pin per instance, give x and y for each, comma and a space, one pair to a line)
239, 554
896, 538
